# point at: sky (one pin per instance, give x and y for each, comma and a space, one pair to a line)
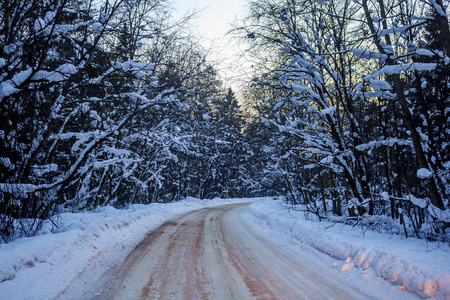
212, 23
214, 16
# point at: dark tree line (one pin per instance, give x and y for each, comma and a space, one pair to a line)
108, 103
354, 98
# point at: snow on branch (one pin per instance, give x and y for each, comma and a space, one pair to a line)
137, 69
368, 54
437, 8
400, 29
380, 84
408, 67
61, 73
389, 142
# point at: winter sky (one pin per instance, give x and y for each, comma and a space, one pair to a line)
212, 23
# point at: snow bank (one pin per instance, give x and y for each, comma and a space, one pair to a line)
43, 266
415, 265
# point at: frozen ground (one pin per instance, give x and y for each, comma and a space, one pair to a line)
43, 267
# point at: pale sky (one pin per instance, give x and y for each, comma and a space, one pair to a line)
215, 15
213, 22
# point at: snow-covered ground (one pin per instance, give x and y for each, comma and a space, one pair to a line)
414, 265
42, 267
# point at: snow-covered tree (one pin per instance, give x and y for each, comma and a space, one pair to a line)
357, 101
96, 100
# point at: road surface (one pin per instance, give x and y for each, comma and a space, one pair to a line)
213, 253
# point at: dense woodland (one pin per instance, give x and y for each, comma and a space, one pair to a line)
114, 102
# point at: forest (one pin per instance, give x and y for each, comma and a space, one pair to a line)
114, 102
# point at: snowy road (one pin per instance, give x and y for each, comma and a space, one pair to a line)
213, 253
